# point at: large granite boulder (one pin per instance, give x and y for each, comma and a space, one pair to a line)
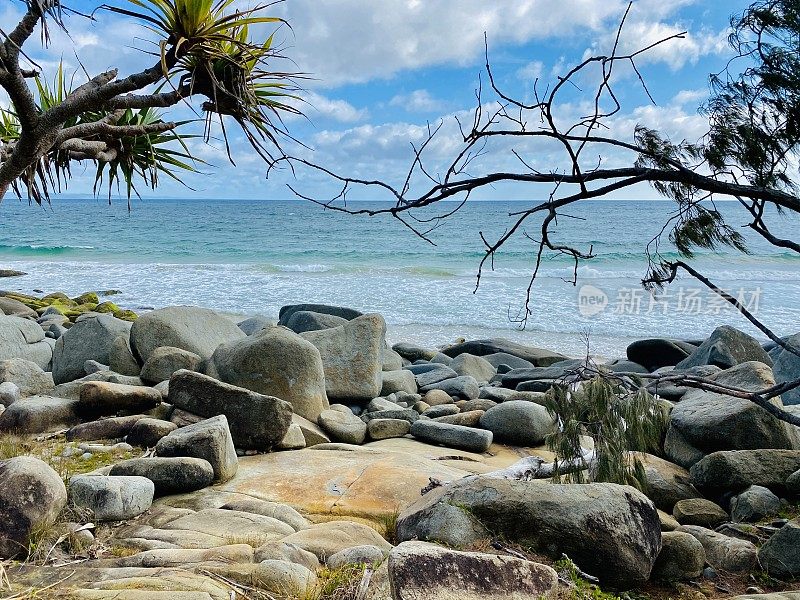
210, 440
780, 555
420, 570
519, 423
667, 483
610, 531
38, 414
342, 425
101, 398
23, 338
256, 421
306, 320
737, 470
276, 362
786, 366
655, 353
112, 498
191, 328
709, 421
287, 311
27, 376
351, 357
31, 495
723, 552
475, 366
90, 338
726, 347
538, 356
165, 361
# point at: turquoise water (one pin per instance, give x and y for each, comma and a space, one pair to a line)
252, 257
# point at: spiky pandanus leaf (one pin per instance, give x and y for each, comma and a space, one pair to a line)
206, 46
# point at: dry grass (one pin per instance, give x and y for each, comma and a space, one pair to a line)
50, 450
337, 584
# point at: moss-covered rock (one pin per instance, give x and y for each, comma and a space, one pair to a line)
109, 292
88, 298
107, 307
126, 315
57, 296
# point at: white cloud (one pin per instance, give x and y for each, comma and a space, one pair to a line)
319, 106
417, 101
342, 41
532, 71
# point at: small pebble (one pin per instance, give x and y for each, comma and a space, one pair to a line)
86, 455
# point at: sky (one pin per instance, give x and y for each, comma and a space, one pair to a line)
381, 71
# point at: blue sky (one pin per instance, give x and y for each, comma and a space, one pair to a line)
383, 69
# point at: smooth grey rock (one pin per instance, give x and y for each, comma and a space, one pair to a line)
38, 414
351, 357
726, 347
175, 475
210, 440
452, 436
441, 411
398, 381
655, 353
793, 483
699, 511
148, 431
23, 338
287, 311
90, 338
412, 352
537, 356
738, 470
754, 504
9, 393
104, 429
610, 531
343, 426
391, 360
165, 361
682, 557
31, 495
518, 422
474, 366
502, 358
420, 570
470, 418
112, 498
407, 414
780, 554
434, 375
256, 421
277, 550
13, 307
306, 320
276, 362
121, 359
711, 421
198, 330
255, 324
27, 376
723, 552
463, 386
104, 398
381, 429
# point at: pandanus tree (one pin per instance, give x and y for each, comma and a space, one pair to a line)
203, 56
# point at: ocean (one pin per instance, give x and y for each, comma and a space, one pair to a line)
252, 257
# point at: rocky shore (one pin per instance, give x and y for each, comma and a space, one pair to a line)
182, 454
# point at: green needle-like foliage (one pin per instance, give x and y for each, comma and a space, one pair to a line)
617, 419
